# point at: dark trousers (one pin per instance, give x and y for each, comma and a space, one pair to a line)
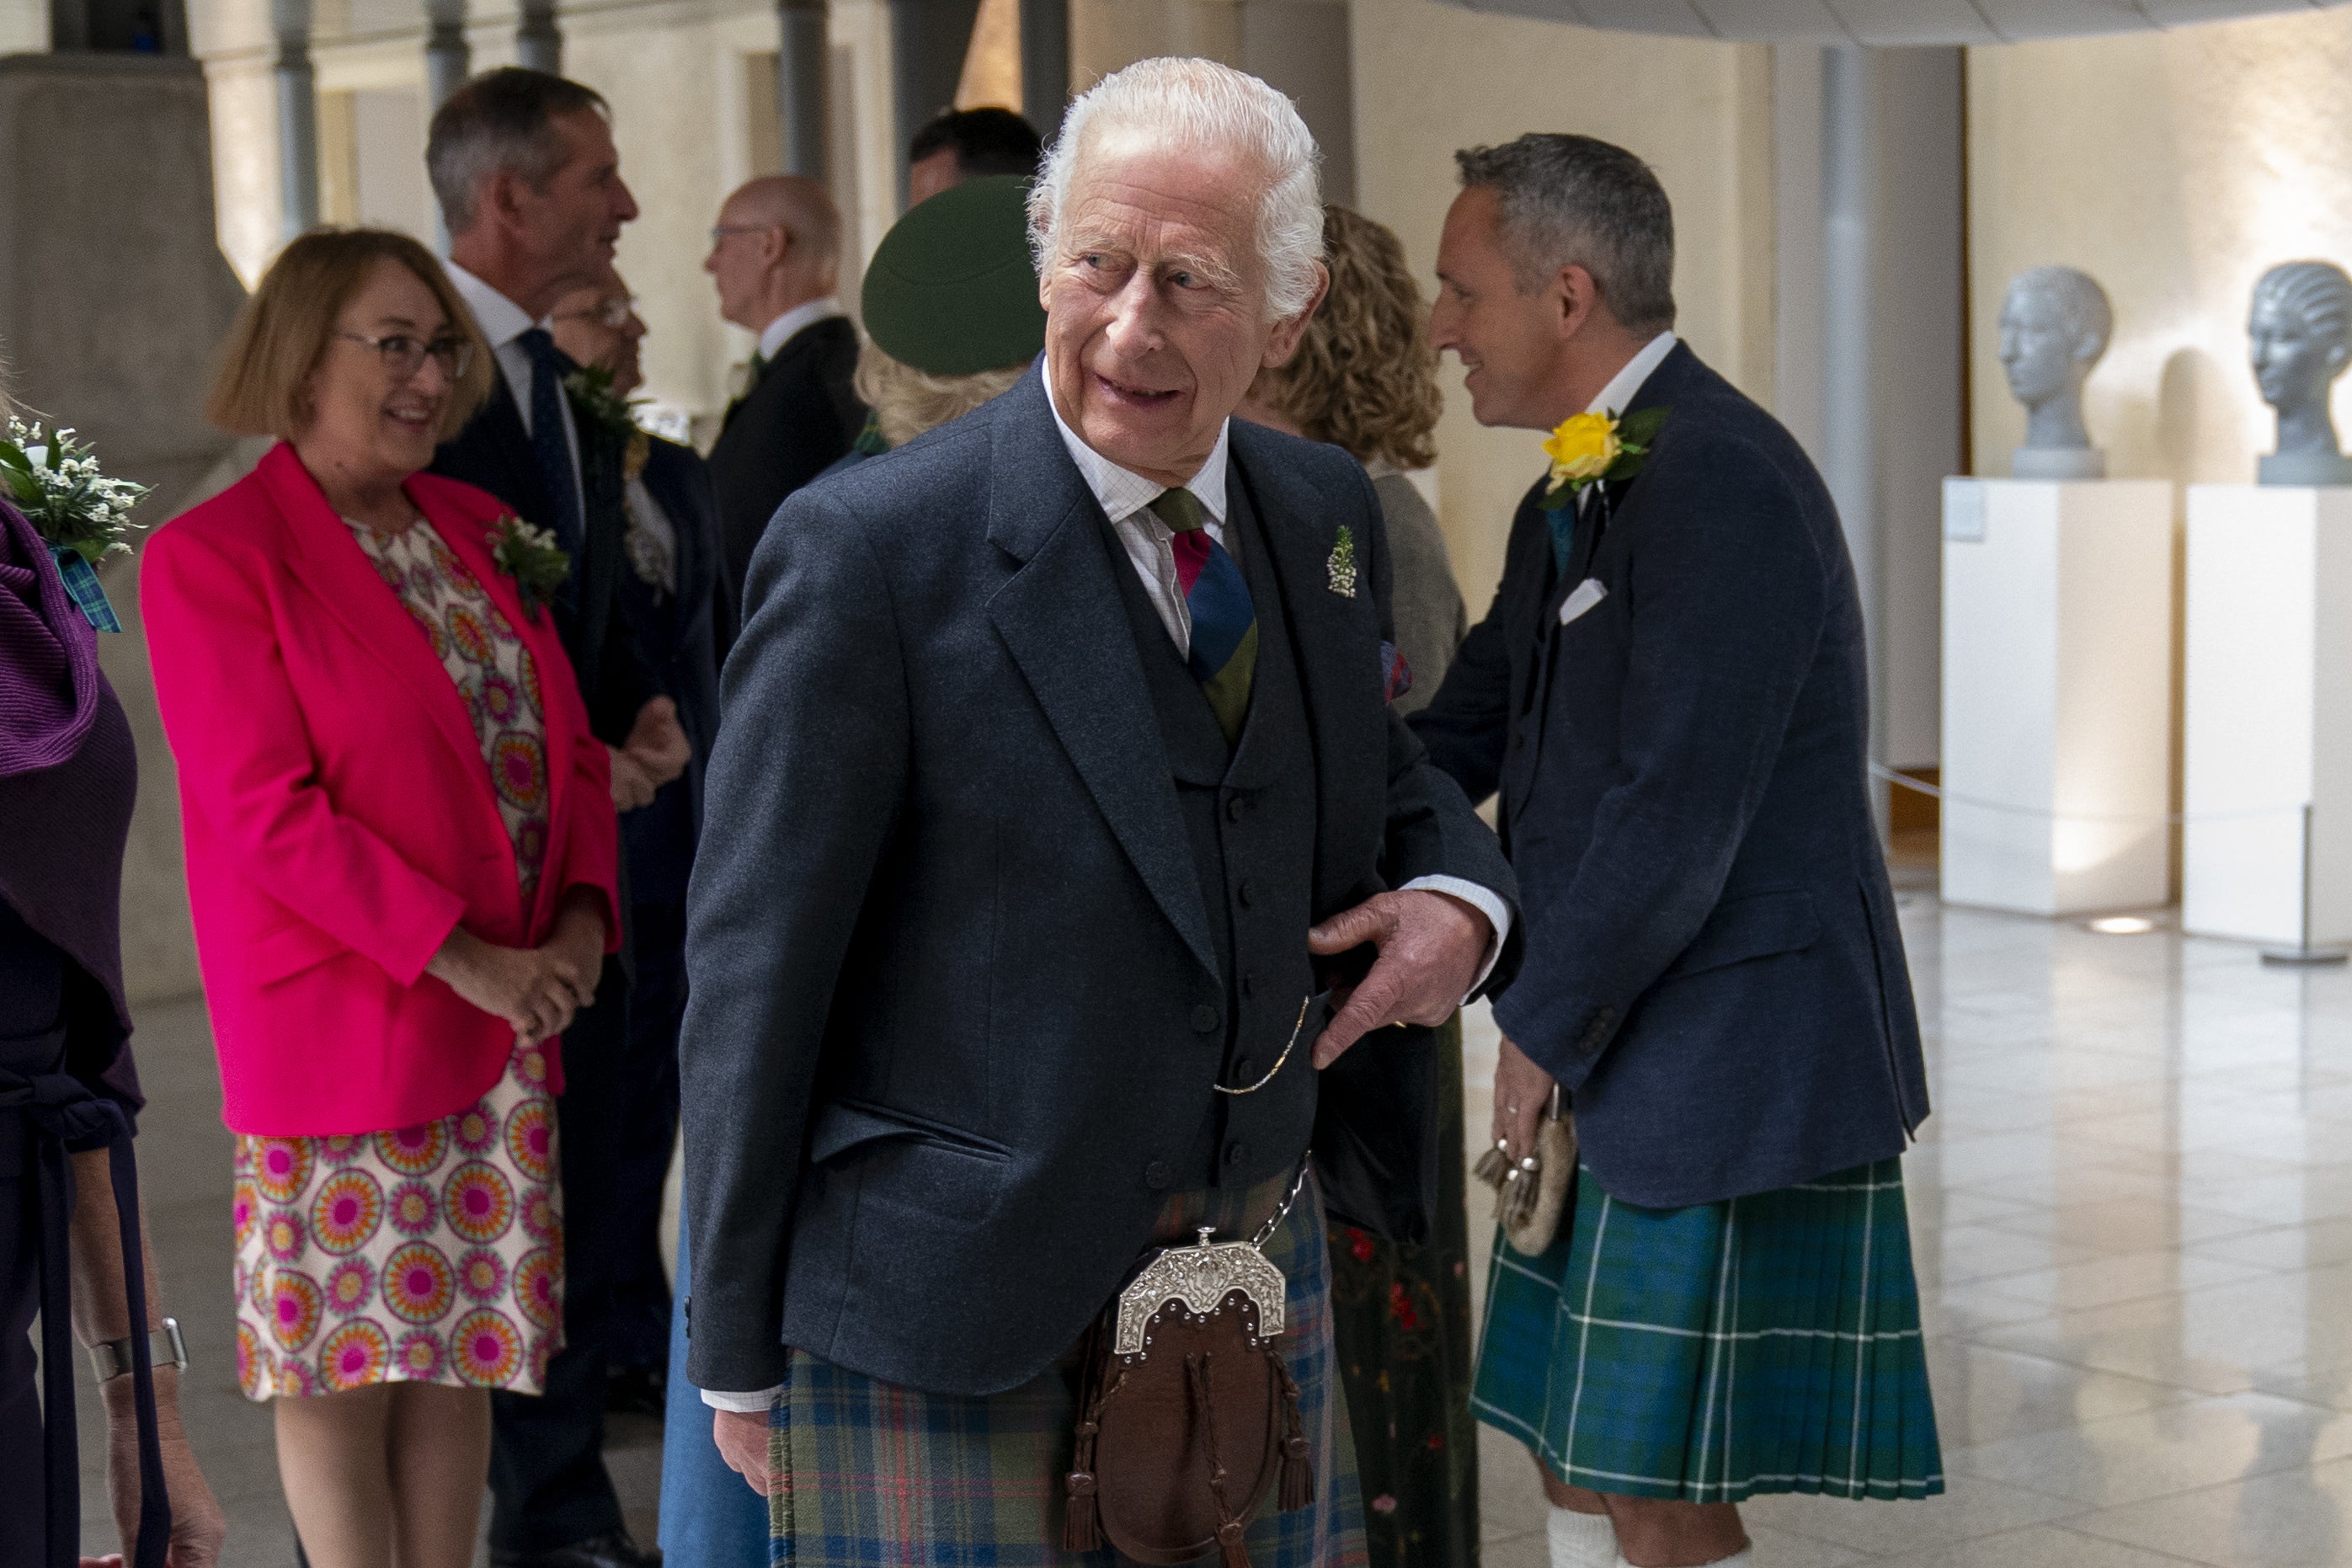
656, 1010
24, 1531
547, 1458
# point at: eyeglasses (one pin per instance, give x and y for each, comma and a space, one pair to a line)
403, 355
614, 313
720, 232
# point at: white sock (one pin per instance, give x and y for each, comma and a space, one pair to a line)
1582, 1540
1743, 1557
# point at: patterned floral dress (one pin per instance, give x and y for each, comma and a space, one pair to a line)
432, 1253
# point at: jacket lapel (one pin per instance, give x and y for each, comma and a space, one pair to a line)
1061, 618
1339, 663
332, 565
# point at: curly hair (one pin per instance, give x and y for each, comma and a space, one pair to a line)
1364, 378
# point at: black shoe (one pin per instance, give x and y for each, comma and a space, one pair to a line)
612, 1549
637, 1391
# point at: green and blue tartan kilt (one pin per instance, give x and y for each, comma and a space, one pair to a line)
877, 1476
1762, 1344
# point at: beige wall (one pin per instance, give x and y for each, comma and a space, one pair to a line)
2174, 168
1430, 78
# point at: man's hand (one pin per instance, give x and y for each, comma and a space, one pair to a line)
743, 1440
630, 786
1522, 1094
657, 743
1430, 947
197, 1524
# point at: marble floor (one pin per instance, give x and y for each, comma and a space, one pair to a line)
2133, 1219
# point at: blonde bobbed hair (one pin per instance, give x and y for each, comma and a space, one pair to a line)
261, 380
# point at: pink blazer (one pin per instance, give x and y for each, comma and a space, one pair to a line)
339, 816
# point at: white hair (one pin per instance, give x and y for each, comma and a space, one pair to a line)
1200, 104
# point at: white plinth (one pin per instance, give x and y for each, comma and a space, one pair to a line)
2057, 694
2268, 713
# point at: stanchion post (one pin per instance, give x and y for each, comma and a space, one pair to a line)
2303, 952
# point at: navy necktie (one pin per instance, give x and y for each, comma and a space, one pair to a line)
553, 453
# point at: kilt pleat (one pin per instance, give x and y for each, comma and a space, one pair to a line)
879, 1476
1768, 1343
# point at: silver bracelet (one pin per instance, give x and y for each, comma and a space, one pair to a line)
164, 1346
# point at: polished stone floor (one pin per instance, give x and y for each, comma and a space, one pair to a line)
2133, 1219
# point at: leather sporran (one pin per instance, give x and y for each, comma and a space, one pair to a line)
1531, 1196
1187, 1415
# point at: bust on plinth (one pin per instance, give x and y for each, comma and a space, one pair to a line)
2055, 326
2300, 325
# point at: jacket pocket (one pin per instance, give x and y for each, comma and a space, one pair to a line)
1756, 926
842, 1125
285, 952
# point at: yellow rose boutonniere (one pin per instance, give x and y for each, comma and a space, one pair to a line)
1589, 447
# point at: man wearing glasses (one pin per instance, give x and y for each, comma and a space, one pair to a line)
775, 254
523, 166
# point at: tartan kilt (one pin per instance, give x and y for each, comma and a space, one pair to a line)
879, 1476
1707, 1355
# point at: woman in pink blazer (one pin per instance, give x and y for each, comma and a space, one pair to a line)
401, 858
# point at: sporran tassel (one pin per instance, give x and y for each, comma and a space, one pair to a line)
1297, 1464
1230, 1544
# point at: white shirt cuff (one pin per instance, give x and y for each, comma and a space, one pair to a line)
1482, 899
758, 1404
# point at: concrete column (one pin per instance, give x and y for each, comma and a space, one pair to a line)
929, 39
1044, 64
1848, 459
538, 42
801, 69
298, 118
1870, 352
448, 60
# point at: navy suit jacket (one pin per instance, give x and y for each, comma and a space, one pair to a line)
1713, 967
493, 452
683, 660
797, 420
948, 951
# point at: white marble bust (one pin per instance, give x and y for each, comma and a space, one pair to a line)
2301, 327
2054, 325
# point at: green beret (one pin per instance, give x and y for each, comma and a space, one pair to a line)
951, 289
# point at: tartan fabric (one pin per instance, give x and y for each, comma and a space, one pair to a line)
1761, 1344
82, 588
1223, 655
877, 1476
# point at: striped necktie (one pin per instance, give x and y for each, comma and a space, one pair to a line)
1224, 655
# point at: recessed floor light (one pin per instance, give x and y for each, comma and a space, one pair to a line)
2121, 925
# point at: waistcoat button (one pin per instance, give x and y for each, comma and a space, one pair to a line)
1204, 1019
1249, 894
1155, 1176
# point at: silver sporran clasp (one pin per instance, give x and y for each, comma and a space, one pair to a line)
1199, 1278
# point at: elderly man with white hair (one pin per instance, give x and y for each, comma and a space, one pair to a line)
1066, 876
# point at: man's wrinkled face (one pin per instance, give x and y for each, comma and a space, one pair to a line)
575, 223
599, 326
1509, 342
1156, 303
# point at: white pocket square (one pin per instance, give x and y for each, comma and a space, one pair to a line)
1587, 594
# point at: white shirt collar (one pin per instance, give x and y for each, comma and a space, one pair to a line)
1617, 396
1124, 492
781, 331
501, 320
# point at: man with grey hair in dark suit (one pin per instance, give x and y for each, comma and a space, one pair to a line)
1668, 696
1057, 788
